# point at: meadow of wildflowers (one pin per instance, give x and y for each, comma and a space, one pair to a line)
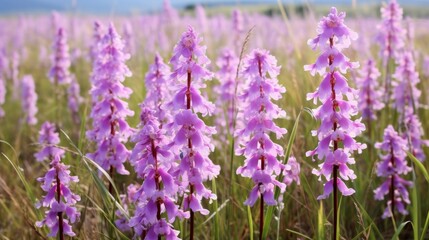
206, 124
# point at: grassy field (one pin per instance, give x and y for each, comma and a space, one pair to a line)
303, 217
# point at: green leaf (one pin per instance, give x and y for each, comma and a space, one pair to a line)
321, 222
415, 209
419, 165
250, 221
216, 207
399, 230
425, 227
298, 233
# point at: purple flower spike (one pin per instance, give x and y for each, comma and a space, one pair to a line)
74, 99
29, 99
225, 110
59, 199
405, 93
192, 138
392, 165
59, 72
159, 192
48, 138
110, 130
2, 95
128, 38
16, 62
391, 35
337, 130
157, 89
260, 151
370, 96
414, 133
95, 44
4, 72
237, 21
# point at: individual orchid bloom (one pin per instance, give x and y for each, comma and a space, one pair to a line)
337, 130
291, 171
261, 153
59, 199
159, 192
59, 73
109, 128
29, 99
369, 100
393, 164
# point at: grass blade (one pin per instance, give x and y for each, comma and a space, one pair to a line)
399, 230
250, 221
419, 165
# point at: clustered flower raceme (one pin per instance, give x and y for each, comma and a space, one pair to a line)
226, 92
414, 133
157, 89
128, 38
59, 199
391, 35
59, 72
392, 165
237, 21
110, 130
260, 151
159, 191
337, 130
4, 67
369, 92
74, 98
96, 38
192, 139
48, 138
201, 17
406, 94
14, 74
29, 99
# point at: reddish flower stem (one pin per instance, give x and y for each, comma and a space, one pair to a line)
191, 186
60, 214
392, 184
157, 182
261, 209
335, 126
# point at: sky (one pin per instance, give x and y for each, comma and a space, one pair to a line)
123, 6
